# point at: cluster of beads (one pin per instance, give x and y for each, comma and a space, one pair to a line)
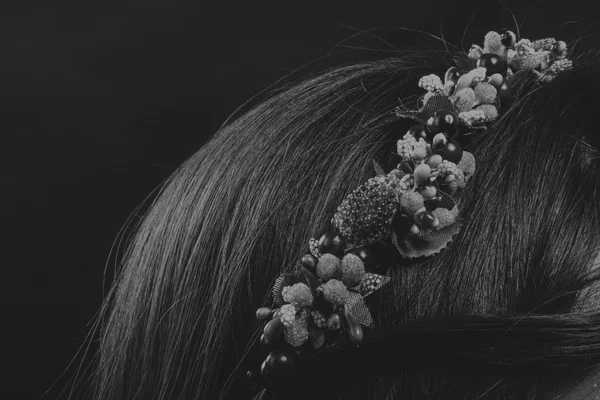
545, 57
323, 306
428, 171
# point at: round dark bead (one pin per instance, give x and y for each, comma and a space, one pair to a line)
333, 243
419, 131
310, 262
280, 362
366, 255
508, 38
273, 328
493, 64
445, 121
452, 152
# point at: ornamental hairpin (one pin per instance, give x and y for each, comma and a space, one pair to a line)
323, 301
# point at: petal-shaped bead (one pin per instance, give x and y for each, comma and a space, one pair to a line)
428, 192
355, 331
263, 313
419, 153
421, 174
310, 262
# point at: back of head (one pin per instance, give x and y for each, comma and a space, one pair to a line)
505, 309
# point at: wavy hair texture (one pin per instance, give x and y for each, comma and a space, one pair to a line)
495, 316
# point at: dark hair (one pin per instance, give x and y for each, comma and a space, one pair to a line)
493, 315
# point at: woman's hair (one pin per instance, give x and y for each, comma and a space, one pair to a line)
507, 308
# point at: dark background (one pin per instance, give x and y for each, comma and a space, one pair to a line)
101, 101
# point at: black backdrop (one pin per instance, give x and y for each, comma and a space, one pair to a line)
101, 101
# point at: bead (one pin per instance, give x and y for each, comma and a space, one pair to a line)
508, 38
434, 160
445, 121
415, 230
280, 362
560, 47
273, 328
452, 152
355, 331
334, 322
493, 64
450, 80
426, 219
439, 140
333, 243
310, 262
497, 80
419, 131
419, 153
263, 313
428, 192
422, 174
465, 81
475, 52
366, 255
452, 75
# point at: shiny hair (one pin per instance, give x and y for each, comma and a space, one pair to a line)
497, 315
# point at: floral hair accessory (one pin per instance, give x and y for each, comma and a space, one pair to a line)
323, 301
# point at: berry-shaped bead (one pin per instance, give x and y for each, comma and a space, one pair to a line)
407, 182
288, 314
370, 283
299, 295
431, 83
524, 47
296, 334
365, 216
485, 93
335, 292
489, 111
472, 118
353, 270
493, 43
411, 202
328, 267
464, 100
318, 318
446, 169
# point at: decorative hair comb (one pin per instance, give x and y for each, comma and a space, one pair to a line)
322, 302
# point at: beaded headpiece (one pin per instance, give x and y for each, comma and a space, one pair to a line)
411, 208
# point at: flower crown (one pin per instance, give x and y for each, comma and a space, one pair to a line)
322, 303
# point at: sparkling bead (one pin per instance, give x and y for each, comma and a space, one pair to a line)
452, 151
445, 121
